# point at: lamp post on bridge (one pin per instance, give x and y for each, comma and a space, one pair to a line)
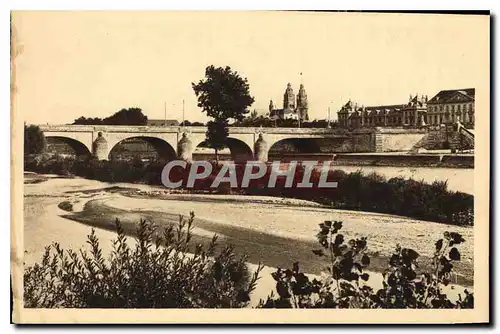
299, 115
328, 125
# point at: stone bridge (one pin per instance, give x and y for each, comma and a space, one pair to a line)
244, 143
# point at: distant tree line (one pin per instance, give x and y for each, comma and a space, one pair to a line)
130, 116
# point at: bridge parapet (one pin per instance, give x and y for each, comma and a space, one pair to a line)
241, 139
192, 129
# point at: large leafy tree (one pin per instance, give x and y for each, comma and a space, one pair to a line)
88, 121
34, 140
217, 133
224, 96
130, 116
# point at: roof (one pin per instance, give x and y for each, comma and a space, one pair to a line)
454, 95
391, 106
162, 122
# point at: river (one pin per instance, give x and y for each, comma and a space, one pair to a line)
458, 179
263, 228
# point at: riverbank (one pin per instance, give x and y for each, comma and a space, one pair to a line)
263, 228
432, 159
398, 195
407, 160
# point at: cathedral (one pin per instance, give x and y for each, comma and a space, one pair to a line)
292, 108
413, 113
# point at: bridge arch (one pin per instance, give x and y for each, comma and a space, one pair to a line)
144, 146
294, 146
64, 145
239, 150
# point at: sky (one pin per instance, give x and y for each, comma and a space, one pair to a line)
92, 64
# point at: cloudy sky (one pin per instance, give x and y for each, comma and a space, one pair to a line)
71, 64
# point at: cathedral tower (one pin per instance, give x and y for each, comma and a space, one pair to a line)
302, 105
289, 99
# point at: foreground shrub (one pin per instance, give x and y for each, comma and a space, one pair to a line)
49, 164
66, 206
157, 273
160, 273
344, 285
355, 191
34, 140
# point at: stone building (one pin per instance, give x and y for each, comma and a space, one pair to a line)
292, 108
450, 106
413, 114
162, 122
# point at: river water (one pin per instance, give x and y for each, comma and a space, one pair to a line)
259, 226
458, 179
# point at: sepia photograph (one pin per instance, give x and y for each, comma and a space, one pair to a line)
303, 167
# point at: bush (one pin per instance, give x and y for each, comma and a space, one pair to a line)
344, 286
355, 191
66, 206
49, 164
157, 273
34, 140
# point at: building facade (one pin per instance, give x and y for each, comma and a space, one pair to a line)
162, 122
413, 114
450, 106
292, 108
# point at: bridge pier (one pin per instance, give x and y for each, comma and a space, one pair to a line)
185, 148
244, 143
261, 149
100, 147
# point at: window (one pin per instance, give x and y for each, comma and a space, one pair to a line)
458, 108
453, 108
447, 108
440, 108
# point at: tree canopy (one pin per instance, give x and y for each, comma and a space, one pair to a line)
217, 133
223, 95
130, 116
34, 140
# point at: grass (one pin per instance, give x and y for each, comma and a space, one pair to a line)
373, 193
271, 249
32, 178
66, 206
